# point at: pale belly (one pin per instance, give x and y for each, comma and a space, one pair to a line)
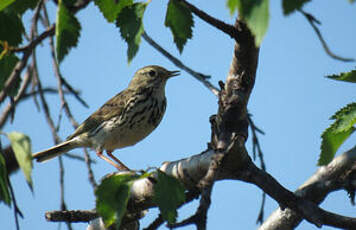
121, 139
112, 136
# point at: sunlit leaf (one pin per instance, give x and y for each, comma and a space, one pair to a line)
5, 3
348, 76
180, 21
168, 195
331, 142
337, 133
4, 188
130, 23
67, 31
254, 13
111, 8
345, 118
232, 5
112, 196
21, 144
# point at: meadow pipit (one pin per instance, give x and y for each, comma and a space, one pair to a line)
124, 120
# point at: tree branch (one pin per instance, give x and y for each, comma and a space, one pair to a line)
27, 51
220, 25
73, 216
195, 167
312, 21
325, 180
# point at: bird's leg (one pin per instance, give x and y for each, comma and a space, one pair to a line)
122, 165
119, 167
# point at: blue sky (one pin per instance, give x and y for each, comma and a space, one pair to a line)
291, 102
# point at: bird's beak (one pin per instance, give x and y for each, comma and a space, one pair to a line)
173, 73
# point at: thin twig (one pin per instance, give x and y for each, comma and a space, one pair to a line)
88, 162
61, 183
74, 92
58, 74
199, 76
11, 105
45, 104
200, 217
15, 74
34, 95
61, 81
13, 101
220, 25
260, 217
47, 90
312, 21
256, 146
77, 157
156, 223
27, 50
17, 211
29, 47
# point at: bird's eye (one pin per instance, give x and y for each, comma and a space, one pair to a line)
152, 73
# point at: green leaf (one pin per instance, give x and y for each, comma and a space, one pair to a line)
289, 6
331, 141
21, 144
130, 23
4, 184
21, 6
255, 14
168, 195
180, 21
5, 3
348, 76
232, 5
7, 64
345, 118
11, 28
337, 133
112, 196
67, 31
111, 8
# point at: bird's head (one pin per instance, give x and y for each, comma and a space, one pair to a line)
151, 76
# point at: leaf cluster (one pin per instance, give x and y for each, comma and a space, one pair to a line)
113, 193
21, 145
342, 127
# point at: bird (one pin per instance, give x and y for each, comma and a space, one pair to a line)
122, 121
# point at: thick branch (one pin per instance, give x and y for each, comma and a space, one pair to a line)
190, 170
305, 208
325, 180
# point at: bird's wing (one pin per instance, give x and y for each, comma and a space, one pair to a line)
112, 108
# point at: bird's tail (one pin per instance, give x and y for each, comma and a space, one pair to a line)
55, 151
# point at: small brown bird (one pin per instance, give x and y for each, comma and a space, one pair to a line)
124, 120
